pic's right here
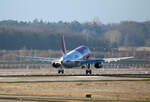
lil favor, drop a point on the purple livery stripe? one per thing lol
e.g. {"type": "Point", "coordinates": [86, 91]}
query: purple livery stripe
{"type": "Point", "coordinates": [81, 49]}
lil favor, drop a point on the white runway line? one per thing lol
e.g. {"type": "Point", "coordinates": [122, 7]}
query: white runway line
{"type": "Point", "coordinates": [86, 76]}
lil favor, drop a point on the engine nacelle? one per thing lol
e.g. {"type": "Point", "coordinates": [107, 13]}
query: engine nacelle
{"type": "Point", "coordinates": [56, 65]}
{"type": "Point", "coordinates": [98, 65]}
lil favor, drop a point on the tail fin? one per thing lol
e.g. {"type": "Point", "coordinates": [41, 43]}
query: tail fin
{"type": "Point", "coordinates": [63, 45]}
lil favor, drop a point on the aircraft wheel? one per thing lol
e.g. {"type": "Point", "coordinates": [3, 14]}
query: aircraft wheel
{"type": "Point", "coordinates": [61, 71]}
{"type": "Point", "coordinates": [58, 71]}
{"type": "Point", "coordinates": [88, 72]}
{"type": "Point", "coordinates": [83, 67]}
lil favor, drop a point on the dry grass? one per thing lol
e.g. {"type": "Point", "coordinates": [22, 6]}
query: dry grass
{"type": "Point", "coordinates": [109, 90]}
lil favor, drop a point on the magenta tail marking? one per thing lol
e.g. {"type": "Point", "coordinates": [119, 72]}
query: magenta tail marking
{"type": "Point", "coordinates": [63, 45]}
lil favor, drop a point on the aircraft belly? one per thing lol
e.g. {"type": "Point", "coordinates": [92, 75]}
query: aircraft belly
{"type": "Point", "coordinates": [71, 64]}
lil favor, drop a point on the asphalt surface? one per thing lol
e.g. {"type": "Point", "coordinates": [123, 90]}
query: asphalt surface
{"type": "Point", "coordinates": [15, 98]}
{"type": "Point", "coordinates": [75, 71]}
{"type": "Point", "coordinates": [30, 76]}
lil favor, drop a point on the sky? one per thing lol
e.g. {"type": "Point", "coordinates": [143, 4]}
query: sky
{"type": "Point", "coordinates": [106, 11]}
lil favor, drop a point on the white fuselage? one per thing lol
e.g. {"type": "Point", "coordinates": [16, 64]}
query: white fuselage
{"type": "Point", "coordinates": [70, 59]}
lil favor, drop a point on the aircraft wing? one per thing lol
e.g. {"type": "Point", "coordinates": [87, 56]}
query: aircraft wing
{"type": "Point", "coordinates": [107, 60]}
{"type": "Point", "coordinates": [37, 58]}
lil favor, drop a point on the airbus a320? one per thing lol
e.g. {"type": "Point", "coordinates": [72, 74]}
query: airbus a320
{"type": "Point", "coordinates": [78, 57]}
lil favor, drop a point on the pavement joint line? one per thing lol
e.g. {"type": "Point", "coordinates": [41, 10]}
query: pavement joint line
{"type": "Point", "coordinates": [49, 98]}
{"type": "Point", "coordinates": [72, 81]}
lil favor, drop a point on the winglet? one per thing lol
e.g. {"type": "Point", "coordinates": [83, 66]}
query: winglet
{"type": "Point", "coordinates": [63, 45]}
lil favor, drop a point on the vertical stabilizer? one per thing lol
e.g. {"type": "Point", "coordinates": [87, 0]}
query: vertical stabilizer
{"type": "Point", "coordinates": [63, 45]}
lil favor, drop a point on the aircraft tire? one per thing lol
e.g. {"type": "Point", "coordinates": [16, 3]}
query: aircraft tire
{"type": "Point", "coordinates": [88, 72]}
{"type": "Point", "coordinates": [61, 71]}
{"type": "Point", "coordinates": [58, 71]}
{"type": "Point", "coordinates": [83, 67]}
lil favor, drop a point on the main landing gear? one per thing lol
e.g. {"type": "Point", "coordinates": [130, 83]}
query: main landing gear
{"type": "Point", "coordinates": [61, 71]}
{"type": "Point", "coordinates": [88, 70]}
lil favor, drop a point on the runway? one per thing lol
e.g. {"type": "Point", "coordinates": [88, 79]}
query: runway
{"type": "Point", "coordinates": [74, 89]}
{"type": "Point", "coordinates": [76, 71]}
{"type": "Point", "coordinates": [72, 78]}
{"type": "Point", "coordinates": [14, 98]}
{"type": "Point", "coordinates": [103, 87]}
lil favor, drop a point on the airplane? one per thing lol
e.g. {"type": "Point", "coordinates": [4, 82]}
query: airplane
{"type": "Point", "coordinates": [78, 57]}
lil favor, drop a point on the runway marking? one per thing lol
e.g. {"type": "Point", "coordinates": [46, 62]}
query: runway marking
{"type": "Point", "coordinates": [87, 76]}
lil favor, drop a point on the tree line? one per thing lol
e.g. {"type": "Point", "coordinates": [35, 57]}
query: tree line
{"type": "Point", "coordinates": [42, 35]}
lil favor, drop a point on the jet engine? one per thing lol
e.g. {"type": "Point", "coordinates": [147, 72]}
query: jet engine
{"type": "Point", "coordinates": [98, 65]}
{"type": "Point", "coordinates": [56, 65]}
